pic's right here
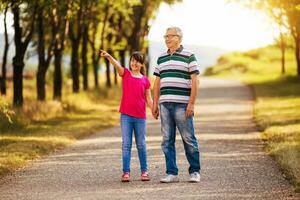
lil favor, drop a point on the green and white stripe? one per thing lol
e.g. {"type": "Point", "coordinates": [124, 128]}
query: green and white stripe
{"type": "Point", "coordinates": [175, 72]}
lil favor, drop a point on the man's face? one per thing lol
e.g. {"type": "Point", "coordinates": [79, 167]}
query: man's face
{"type": "Point", "coordinates": [172, 39]}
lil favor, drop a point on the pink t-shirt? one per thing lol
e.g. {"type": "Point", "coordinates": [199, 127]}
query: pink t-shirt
{"type": "Point", "coordinates": [133, 101]}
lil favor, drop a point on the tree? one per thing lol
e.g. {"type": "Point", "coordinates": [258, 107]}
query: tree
{"type": "Point", "coordinates": [23, 35]}
{"type": "Point", "coordinates": [75, 33]}
{"type": "Point", "coordinates": [44, 56]}
{"type": "Point", "coordinates": [284, 13]}
{"type": "Point", "coordinates": [85, 38]}
{"type": "Point", "coordinates": [4, 59]}
{"type": "Point", "coordinates": [59, 27]}
{"type": "Point", "coordinates": [294, 21]}
{"type": "Point", "coordinates": [98, 16]}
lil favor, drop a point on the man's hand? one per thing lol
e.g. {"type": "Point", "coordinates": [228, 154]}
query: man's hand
{"type": "Point", "coordinates": [189, 110]}
{"type": "Point", "coordinates": [155, 111]}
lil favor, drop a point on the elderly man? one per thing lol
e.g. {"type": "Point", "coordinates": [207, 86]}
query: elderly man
{"type": "Point", "coordinates": [175, 89]}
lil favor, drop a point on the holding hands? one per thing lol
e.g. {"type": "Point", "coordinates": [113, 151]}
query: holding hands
{"type": "Point", "coordinates": [155, 111]}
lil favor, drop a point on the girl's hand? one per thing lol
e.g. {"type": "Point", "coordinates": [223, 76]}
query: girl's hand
{"type": "Point", "coordinates": [104, 53]}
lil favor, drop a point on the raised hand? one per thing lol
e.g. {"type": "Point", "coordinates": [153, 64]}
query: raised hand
{"type": "Point", "coordinates": [104, 53]}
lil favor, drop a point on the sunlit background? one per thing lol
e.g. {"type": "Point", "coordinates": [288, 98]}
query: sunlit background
{"type": "Point", "coordinates": [214, 23]}
{"type": "Point", "coordinates": [211, 28]}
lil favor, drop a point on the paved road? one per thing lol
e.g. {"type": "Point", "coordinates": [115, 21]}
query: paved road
{"type": "Point", "coordinates": [234, 165]}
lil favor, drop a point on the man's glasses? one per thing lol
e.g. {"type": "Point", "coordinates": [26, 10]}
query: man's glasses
{"type": "Point", "coordinates": [170, 36]}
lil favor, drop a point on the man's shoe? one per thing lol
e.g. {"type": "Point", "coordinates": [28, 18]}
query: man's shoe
{"type": "Point", "coordinates": [195, 177]}
{"type": "Point", "coordinates": [170, 178]}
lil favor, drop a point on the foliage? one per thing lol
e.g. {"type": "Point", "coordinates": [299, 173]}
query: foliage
{"type": "Point", "coordinates": [277, 102]}
{"type": "Point", "coordinates": [5, 111]}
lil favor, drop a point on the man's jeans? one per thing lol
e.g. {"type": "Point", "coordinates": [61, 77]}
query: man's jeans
{"type": "Point", "coordinates": [172, 116]}
{"type": "Point", "coordinates": [138, 126]}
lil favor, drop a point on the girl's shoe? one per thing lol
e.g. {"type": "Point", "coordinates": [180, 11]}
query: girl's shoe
{"type": "Point", "coordinates": [125, 177]}
{"type": "Point", "coordinates": [145, 176]}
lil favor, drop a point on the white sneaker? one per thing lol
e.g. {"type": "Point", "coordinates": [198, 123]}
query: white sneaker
{"type": "Point", "coordinates": [195, 177]}
{"type": "Point", "coordinates": [170, 178]}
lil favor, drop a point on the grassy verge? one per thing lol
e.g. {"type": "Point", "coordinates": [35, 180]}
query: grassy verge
{"type": "Point", "coordinates": [277, 107]}
{"type": "Point", "coordinates": [42, 127]}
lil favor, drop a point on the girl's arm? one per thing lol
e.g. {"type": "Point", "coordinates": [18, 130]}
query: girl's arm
{"type": "Point", "coordinates": [156, 91]}
{"type": "Point", "coordinates": [149, 98]}
{"type": "Point", "coordinates": [113, 61]}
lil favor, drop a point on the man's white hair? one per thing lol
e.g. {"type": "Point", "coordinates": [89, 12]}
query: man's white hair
{"type": "Point", "coordinates": [177, 29]}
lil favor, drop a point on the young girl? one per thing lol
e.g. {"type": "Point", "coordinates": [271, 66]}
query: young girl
{"type": "Point", "coordinates": [135, 94]}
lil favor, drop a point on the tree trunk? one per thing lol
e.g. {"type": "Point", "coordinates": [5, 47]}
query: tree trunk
{"type": "Point", "coordinates": [59, 32]}
{"type": "Point", "coordinates": [57, 77]}
{"type": "Point", "coordinates": [296, 37]}
{"type": "Point", "coordinates": [84, 56]}
{"type": "Point", "coordinates": [41, 84]}
{"type": "Point", "coordinates": [147, 64]}
{"type": "Point", "coordinates": [94, 54]}
{"type": "Point", "coordinates": [115, 77]}
{"type": "Point", "coordinates": [95, 70]}
{"type": "Point", "coordinates": [282, 61]}
{"type": "Point", "coordinates": [134, 40]}
{"type": "Point", "coordinates": [75, 40]}
{"type": "Point", "coordinates": [41, 72]}
{"type": "Point", "coordinates": [122, 54]}
{"type": "Point", "coordinates": [297, 52]}
{"type": "Point", "coordinates": [18, 60]}
{"type": "Point", "coordinates": [18, 66]}
{"type": "Point", "coordinates": [75, 66]}
{"type": "Point", "coordinates": [108, 81]}
{"type": "Point", "coordinates": [4, 60]}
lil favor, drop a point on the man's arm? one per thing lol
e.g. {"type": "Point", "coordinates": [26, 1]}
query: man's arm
{"type": "Point", "coordinates": [193, 96]}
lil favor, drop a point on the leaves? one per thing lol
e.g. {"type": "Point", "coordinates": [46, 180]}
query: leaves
{"type": "Point", "coordinates": [4, 109]}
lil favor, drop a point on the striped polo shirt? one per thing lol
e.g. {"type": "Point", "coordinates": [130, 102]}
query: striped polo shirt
{"type": "Point", "coordinates": [175, 72]}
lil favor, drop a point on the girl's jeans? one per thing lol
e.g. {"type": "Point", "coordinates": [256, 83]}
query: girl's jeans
{"type": "Point", "coordinates": [173, 115]}
{"type": "Point", "coordinates": [138, 126]}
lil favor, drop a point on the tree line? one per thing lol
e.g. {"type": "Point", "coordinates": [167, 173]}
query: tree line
{"type": "Point", "coordinates": [78, 28]}
{"type": "Point", "coordinates": [286, 14]}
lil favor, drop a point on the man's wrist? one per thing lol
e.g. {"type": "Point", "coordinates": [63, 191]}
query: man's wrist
{"type": "Point", "coordinates": [191, 103]}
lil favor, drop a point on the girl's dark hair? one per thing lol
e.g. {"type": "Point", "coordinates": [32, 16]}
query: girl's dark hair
{"type": "Point", "coordinates": [139, 57]}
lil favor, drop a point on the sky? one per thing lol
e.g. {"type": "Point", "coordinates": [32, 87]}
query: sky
{"type": "Point", "coordinates": [214, 23]}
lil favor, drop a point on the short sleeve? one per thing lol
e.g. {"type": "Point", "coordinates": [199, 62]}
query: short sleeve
{"type": "Point", "coordinates": [147, 83]}
{"type": "Point", "coordinates": [156, 70]}
{"type": "Point", "coordinates": [193, 65]}
{"type": "Point", "coordinates": [126, 72]}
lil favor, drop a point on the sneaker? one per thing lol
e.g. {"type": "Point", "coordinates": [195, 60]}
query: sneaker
{"type": "Point", "coordinates": [195, 177]}
{"type": "Point", "coordinates": [145, 176]}
{"type": "Point", "coordinates": [170, 178]}
{"type": "Point", "coordinates": [125, 177]}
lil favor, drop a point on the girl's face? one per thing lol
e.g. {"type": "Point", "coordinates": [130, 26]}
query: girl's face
{"type": "Point", "coordinates": [135, 65]}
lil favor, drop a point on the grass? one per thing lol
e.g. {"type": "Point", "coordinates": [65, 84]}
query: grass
{"type": "Point", "coordinates": [43, 127]}
{"type": "Point", "coordinates": [277, 107]}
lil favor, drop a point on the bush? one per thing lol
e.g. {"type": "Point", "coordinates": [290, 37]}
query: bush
{"type": "Point", "coordinates": [5, 111]}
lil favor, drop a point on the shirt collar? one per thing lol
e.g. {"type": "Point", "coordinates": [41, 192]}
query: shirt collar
{"type": "Point", "coordinates": [177, 50]}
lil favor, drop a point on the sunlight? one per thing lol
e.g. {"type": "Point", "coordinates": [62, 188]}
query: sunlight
{"type": "Point", "coordinates": [214, 23]}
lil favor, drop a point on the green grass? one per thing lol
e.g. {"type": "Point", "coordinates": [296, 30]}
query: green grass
{"type": "Point", "coordinates": [277, 106]}
{"type": "Point", "coordinates": [43, 127]}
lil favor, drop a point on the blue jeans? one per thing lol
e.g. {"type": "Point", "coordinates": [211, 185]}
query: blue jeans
{"type": "Point", "coordinates": [172, 116]}
{"type": "Point", "coordinates": [138, 126]}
